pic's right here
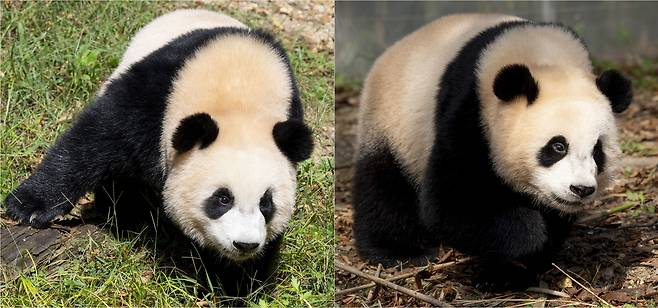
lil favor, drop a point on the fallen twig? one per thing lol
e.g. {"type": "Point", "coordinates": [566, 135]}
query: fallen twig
{"type": "Point", "coordinates": [524, 301]}
{"type": "Point", "coordinates": [581, 285]}
{"type": "Point", "coordinates": [605, 214]}
{"type": "Point", "coordinates": [650, 294]}
{"type": "Point", "coordinates": [401, 276]}
{"type": "Point", "coordinates": [445, 256]}
{"type": "Point", "coordinates": [620, 227]}
{"type": "Point", "coordinates": [622, 207]}
{"type": "Point", "coordinates": [388, 284]}
{"type": "Point", "coordinates": [372, 284]}
{"type": "Point", "coordinates": [548, 292]}
{"type": "Point", "coordinates": [373, 293]}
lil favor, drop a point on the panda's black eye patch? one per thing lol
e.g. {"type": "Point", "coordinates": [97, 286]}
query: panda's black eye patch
{"type": "Point", "coordinates": [554, 150]}
{"type": "Point", "coordinates": [599, 156]}
{"type": "Point", "coordinates": [267, 205]}
{"type": "Point", "coordinates": [219, 203]}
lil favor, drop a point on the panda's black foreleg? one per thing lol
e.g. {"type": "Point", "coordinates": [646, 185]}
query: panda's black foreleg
{"type": "Point", "coordinates": [75, 164]}
{"type": "Point", "coordinates": [558, 227]}
{"type": "Point", "coordinates": [515, 243]}
{"type": "Point", "coordinates": [506, 233]}
{"type": "Point", "coordinates": [386, 226]}
{"type": "Point", "coordinates": [501, 273]}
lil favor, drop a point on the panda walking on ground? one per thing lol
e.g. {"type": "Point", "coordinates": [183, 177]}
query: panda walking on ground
{"type": "Point", "coordinates": [204, 110]}
{"type": "Point", "coordinates": [484, 132]}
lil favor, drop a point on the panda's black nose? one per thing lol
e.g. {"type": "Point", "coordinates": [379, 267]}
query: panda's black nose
{"type": "Point", "coordinates": [582, 191]}
{"type": "Point", "coordinates": [245, 247]}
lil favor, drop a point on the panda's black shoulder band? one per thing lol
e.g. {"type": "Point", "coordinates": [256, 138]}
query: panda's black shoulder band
{"type": "Point", "coordinates": [198, 128]}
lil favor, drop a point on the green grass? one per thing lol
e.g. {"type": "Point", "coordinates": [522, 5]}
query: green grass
{"type": "Point", "coordinates": [53, 57]}
{"type": "Point", "coordinates": [347, 84]}
{"type": "Point", "coordinates": [638, 148]}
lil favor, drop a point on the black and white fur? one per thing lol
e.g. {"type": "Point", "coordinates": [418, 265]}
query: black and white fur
{"type": "Point", "coordinates": [202, 109]}
{"type": "Point", "coordinates": [484, 132]}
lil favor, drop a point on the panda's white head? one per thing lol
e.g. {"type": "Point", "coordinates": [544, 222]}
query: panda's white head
{"type": "Point", "coordinates": [234, 193]}
{"type": "Point", "coordinates": [229, 148]}
{"type": "Point", "coordinates": [553, 133]}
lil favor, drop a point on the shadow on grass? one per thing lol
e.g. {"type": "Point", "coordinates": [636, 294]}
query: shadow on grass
{"type": "Point", "coordinates": [129, 210]}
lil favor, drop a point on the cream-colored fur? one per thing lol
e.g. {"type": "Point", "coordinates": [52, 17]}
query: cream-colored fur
{"type": "Point", "coordinates": [399, 102]}
{"type": "Point", "coordinates": [399, 95]}
{"type": "Point", "coordinates": [165, 28]}
{"type": "Point", "coordinates": [556, 59]}
{"type": "Point", "coordinates": [569, 104]}
{"type": "Point", "coordinates": [244, 85]}
{"type": "Point", "coordinates": [240, 82]}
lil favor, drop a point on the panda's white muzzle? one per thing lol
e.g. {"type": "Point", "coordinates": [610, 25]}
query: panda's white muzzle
{"type": "Point", "coordinates": [240, 233]}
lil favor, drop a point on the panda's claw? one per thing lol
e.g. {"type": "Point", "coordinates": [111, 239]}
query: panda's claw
{"type": "Point", "coordinates": [15, 209]}
{"type": "Point", "coordinates": [29, 210]}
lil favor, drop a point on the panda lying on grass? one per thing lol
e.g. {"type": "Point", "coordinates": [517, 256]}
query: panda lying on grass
{"type": "Point", "coordinates": [208, 113]}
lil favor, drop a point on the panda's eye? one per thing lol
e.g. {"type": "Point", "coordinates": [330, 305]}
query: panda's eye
{"type": "Point", "coordinates": [223, 197]}
{"type": "Point", "coordinates": [553, 151]}
{"type": "Point", "coordinates": [224, 200]}
{"type": "Point", "coordinates": [559, 147]}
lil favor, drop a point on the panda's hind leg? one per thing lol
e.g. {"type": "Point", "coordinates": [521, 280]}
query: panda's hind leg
{"type": "Point", "coordinates": [386, 226]}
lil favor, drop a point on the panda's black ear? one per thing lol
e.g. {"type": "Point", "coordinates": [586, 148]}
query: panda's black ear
{"type": "Point", "coordinates": [198, 128]}
{"type": "Point", "coordinates": [294, 139]}
{"type": "Point", "coordinates": [515, 80]}
{"type": "Point", "coordinates": [616, 88]}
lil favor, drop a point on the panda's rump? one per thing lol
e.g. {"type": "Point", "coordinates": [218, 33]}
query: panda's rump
{"type": "Point", "coordinates": [164, 29]}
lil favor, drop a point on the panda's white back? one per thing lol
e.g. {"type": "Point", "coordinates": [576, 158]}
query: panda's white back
{"type": "Point", "coordinates": [165, 28]}
{"type": "Point", "coordinates": [399, 96]}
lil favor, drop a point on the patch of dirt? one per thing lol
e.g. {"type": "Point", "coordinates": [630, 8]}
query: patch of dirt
{"type": "Point", "coordinates": [312, 21]}
{"type": "Point", "coordinates": [639, 126]}
{"type": "Point", "coordinates": [611, 258]}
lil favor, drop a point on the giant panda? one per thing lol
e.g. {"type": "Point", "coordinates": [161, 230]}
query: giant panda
{"type": "Point", "coordinates": [484, 132]}
{"type": "Point", "coordinates": [206, 111]}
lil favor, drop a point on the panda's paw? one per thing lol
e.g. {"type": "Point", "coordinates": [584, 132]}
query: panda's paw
{"type": "Point", "coordinates": [422, 258]}
{"type": "Point", "coordinates": [504, 277]}
{"type": "Point", "coordinates": [390, 257]}
{"type": "Point", "coordinates": [30, 210]}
